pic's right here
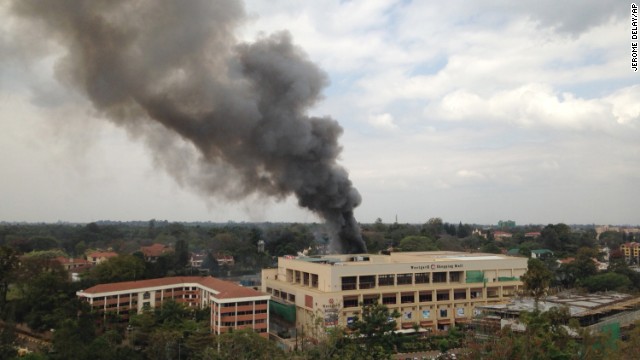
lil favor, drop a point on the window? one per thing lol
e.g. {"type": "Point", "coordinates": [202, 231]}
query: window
{"type": "Point", "coordinates": [492, 293]}
{"type": "Point", "coordinates": [404, 279]}
{"type": "Point", "coordinates": [350, 301]}
{"type": "Point", "coordinates": [422, 278]}
{"type": "Point", "coordinates": [146, 295]}
{"type": "Point", "coordinates": [476, 293]}
{"type": "Point", "coordinates": [508, 291]}
{"type": "Point", "coordinates": [442, 296]}
{"type": "Point", "coordinates": [367, 282]}
{"type": "Point", "coordinates": [459, 294]}
{"type": "Point", "coordinates": [407, 298]}
{"type": "Point", "coordinates": [455, 276]}
{"type": "Point", "coordinates": [314, 280]}
{"type": "Point", "coordinates": [388, 299]}
{"type": "Point", "coordinates": [439, 277]}
{"type": "Point", "coordinates": [443, 312]}
{"type": "Point", "coordinates": [370, 299]}
{"type": "Point", "coordinates": [425, 296]}
{"type": "Point", "coordinates": [349, 283]}
{"type": "Point", "coordinates": [386, 280]}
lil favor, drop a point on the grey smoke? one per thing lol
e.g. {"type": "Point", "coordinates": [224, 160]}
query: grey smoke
{"type": "Point", "coordinates": [165, 67]}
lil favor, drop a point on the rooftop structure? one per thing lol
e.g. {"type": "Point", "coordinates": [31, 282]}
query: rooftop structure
{"type": "Point", "coordinates": [591, 310]}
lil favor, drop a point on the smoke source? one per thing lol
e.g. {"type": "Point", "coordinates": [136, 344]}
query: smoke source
{"type": "Point", "coordinates": [161, 68]}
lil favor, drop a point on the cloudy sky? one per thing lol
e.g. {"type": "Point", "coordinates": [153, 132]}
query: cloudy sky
{"type": "Point", "coordinates": [469, 111]}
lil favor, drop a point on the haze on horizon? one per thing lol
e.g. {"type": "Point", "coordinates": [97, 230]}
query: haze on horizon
{"type": "Point", "coordinates": [472, 112]}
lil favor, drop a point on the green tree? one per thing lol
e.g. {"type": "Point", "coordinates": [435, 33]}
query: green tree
{"type": "Point", "coordinates": [8, 341]}
{"type": "Point", "coordinates": [8, 264]}
{"type": "Point", "coordinates": [171, 313]}
{"type": "Point", "coordinates": [537, 279]}
{"type": "Point", "coordinates": [181, 254]}
{"type": "Point", "coordinates": [433, 227]}
{"type": "Point", "coordinates": [119, 268]}
{"type": "Point", "coordinates": [376, 329]}
{"type": "Point", "coordinates": [417, 243]}
{"type": "Point", "coordinates": [606, 281]}
{"type": "Point", "coordinates": [244, 344]}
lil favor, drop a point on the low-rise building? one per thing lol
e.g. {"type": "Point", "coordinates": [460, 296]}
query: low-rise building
{"type": "Point", "coordinates": [432, 290]}
{"type": "Point", "coordinates": [74, 266]}
{"type": "Point", "coordinates": [593, 311]}
{"type": "Point", "coordinates": [152, 252]}
{"type": "Point", "coordinates": [232, 306]}
{"type": "Point", "coordinates": [97, 257]}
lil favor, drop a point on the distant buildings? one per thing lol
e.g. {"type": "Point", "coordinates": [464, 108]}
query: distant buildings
{"type": "Point", "coordinates": [232, 306]}
{"type": "Point", "coordinates": [502, 235]}
{"type": "Point", "coordinates": [97, 257]}
{"type": "Point", "coordinates": [152, 252]}
{"type": "Point", "coordinates": [508, 224]}
{"type": "Point", "coordinates": [631, 251]}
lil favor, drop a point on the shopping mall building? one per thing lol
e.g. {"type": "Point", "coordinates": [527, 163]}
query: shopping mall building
{"type": "Point", "coordinates": [431, 290]}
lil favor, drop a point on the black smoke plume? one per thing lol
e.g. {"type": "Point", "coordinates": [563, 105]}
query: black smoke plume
{"type": "Point", "coordinates": [242, 106]}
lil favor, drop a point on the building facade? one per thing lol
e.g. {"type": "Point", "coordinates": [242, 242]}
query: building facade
{"type": "Point", "coordinates": [431, 290]}
{"type": "Point", "coordinates": [232, 306]}
{"type": "Point", "coordinates": [631, 252]}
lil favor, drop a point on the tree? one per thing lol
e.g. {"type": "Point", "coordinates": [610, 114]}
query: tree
{"type": "Point", "coordinates": [606, 281]}
{"type": "Point", "coordinates": [244, 344]}
{"type": "Point", "coordinates": [376, 329]}
{"type": "Point", "coordinates": [463, 231]}
{"type": "Point", "coordinates": [537, 279]}
{"type": "Point", "coordinates": [181, 254]}
{"type": "Point", "coordinates": [417, 243]}
{"type": "Point", "coordinates": [433, 227]}
{"type": "Point", "coordinates": [8, 263]}
{"type": "Point", "coordinates": [119, 268]}
{"type": "Point", "coordinates": [171, 313]}
{"type": "Point", "coordinates": [7, 341]}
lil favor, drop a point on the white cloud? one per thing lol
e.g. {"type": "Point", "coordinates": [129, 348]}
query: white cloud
{"type": "Point", "coordinates": [383, 121]}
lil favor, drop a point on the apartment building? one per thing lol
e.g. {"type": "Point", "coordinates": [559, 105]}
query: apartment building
{"type": "Point", "coordinates": [232, 306]}
{"type": "Point", "coordinates": [631, 252]}
{"type": "Point", "coordinates": [431, 290]}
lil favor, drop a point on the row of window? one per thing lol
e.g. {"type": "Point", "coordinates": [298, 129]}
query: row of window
{"type": "Point", "coordinates": [244, 303]}
{"type": "Point", "coordinates": [370, 281]}
{"type": "Point", "coordinates": [246, 322]}
{"type": "Point", "coordinates": [422, 297]}
{"type": "Point", "coordinates": [303, 278]}
{"type": "Point", "coordinates": [239, 313]}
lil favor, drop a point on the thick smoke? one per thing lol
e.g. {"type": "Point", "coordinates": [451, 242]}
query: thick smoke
{"type": "Point", "coordinates": [243, 106]}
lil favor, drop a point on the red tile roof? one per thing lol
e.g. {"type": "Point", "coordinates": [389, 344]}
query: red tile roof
{"type": "Point", "coordinates": [64, 260]}
{"type": "Point", "coordinates": [225, 289]}
{"type": "Point", "coordinates": [154, 250]}
{"type": "Point", "coordinates": [102, 254]}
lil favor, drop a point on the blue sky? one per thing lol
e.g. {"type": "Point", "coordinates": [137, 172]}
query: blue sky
{"type": "Point", "coordinates": [470, 111]}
